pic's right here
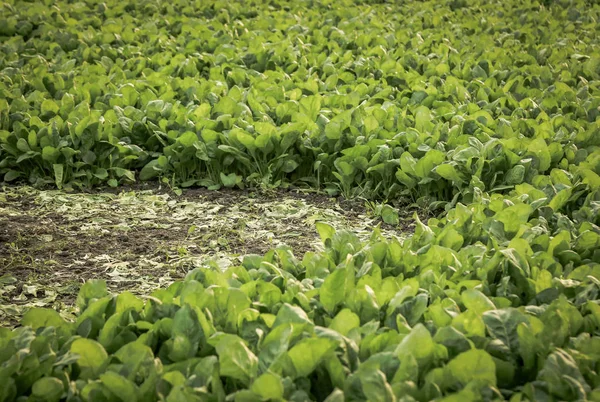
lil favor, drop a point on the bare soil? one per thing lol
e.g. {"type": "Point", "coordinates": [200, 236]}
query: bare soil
{"type": "Point", "coordinates": [143, 238]}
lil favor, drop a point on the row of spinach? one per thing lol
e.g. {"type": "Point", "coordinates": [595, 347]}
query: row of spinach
{"type": "Point", "coordinates": [496, 301]}
{"type": "Point", "coordinates": [378, 113]}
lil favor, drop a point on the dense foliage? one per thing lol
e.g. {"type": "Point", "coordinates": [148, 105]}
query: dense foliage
{"type": "Point", "coordinates": [489, 108]}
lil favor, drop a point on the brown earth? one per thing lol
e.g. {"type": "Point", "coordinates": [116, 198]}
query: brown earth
{"type": "Point", "coordinates": [143, 238]}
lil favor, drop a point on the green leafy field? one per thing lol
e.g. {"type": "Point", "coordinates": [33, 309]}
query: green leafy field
{"type": "Point", "coordinates": [487, 112]}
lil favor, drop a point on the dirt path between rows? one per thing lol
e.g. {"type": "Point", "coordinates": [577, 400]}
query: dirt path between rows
{"type": "Point", "coordinates": [143, 238]}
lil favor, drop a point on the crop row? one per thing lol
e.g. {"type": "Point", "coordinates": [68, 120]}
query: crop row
{"type": "Point", "coordinates": [430, 107]}
{"type": "Point", "coordinates": [498, 300]}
